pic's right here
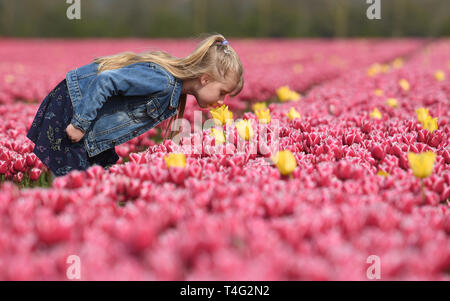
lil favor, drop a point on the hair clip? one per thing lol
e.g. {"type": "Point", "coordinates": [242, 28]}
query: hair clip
{"type": "Point", "coordinates": [224, 43]}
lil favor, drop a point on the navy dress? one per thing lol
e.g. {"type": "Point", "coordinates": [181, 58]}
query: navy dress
{"type": "Point", "coordinates": [52, 144]}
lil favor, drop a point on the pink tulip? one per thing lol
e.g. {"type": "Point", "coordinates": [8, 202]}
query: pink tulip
{"type": "Point", "coordinates": [95, 172]}
{"type": "Point", "coordinates": [52, 230]}
{"type": "Point", "coordinates": [133, 189]}
{"type": "Point", "coordinates": [35, 174]}
{"type": "Point", "coordinates": [378, 152]}
{"type": "Point", "coordinates": [3, 167]}
{"type": "Point", "coordinates": [18, 177]}
{"type": "Point", "coordinates": [20, 164]}
{"type": "Point", "coordinates": [178, 174]}
{"type": "Point", "coordinates": [30, 159]}
{"type": "Point", "coordinates": [228, 214]}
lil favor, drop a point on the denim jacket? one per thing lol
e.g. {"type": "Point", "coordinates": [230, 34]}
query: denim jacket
{"type": "Point", "coordinates": [118, 105]}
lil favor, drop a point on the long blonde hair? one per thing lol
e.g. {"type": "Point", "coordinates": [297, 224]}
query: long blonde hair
{"type": "Point", "coordinates": [215, 61]}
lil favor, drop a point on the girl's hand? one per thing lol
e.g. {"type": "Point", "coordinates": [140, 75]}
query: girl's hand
{"type": "Point", "coordinates": [74, 133]}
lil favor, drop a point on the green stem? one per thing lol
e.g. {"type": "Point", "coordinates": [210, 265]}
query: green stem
{"type": "Point", "coordinates": [422, 190]}
{"type": "Point", "coordinates": [26, 184]}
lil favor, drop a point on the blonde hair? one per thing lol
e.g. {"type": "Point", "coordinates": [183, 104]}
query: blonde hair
{"type": "Point", "coordinates": [210, 57]}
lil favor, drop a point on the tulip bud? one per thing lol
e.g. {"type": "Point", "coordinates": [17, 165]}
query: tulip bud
{"type": "Point", "coordinates": [378, 152]}
{"type": "Point", "coordinates": [404, 84]}
{"type": "Point", "coordinates": [366, 127]}
{"type": "Point", "coordinates": [446, 155]}
{"type": "Point", "coordinates": [175, 160]}
{"type": "Point", "coordinates": [422, 164]}
{"type": "Point", "coordinates": [20, 164]}
{"type": "Point", "coordinates": [439, 75]}
{"type": "Point", "coordinates": [30, 159]}
{"type": "Point", "coordinates": [285, 161]}
{"type": "Point", "coordinates": [3, 167]}
{"type": "Point", "coordinates": [18, 177]}
{"type": "Point", "coordinates": [35, 174]}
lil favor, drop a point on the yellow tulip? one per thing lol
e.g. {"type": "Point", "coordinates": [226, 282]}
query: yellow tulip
{"type": "Point", "coordinates": [218, 135]}
{"type": "Point", "coordinates": [392, 102]}
{"type": "Point", "coordinates": [295, 96]}
{"type": "Point", "coordinates": [285, 162]}
{"type": "Point", "coordinates": [263, 115]}
{"type": "Point", "coordinates": [9, 78]}
{"type": "Point", "coordinates": [422, 114]}
{"type": "Point", "coordinates": [244, 129]}
{"type": "Point", "coordinates": [378, 92]}
{"type": "Point", "coordinates": [382, 173]}
{"type": "Point", "coordinates": [259, 106]}
{"type": "Point", "coordinates": [385, 68]}
{"type": "Point", "coordinates": [430, 124]}
{"type": "Point", "coordinates": [422, 164]}
{"type": "Point", "coordinates": [375, 114]}
{"type": "Point", "coordinates": [374, 69]}
{"type": "Point", "coordinates": [439, 75]}
{"type": "Point", "coordinates": [404, 84]}
{"type": "Point", "coordinates": [397, 63]}
{"type": "Point", "coordinates": [283, 93]}
{"type": "Point", "coordinates": [286, 94]}
{"type": "Point", "coordinates": [221, 115]}
{"type": "Point", "coordinates": [175, 160]}
{"type": "Point", "coordinates": [293, 114]}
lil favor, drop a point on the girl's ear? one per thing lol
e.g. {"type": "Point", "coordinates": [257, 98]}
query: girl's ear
{"type": "Point", "coordinates": [205, 79]}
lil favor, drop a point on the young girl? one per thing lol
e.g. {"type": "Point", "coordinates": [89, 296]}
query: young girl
{"type": "Point", "coordinates": [116, 98]}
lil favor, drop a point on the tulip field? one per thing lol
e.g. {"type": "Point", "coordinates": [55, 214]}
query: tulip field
{"type": "Point", "coordinates": [361, 169]}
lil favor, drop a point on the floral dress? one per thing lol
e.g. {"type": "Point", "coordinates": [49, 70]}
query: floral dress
{"type": "Point", "coordinates": [52, 144]}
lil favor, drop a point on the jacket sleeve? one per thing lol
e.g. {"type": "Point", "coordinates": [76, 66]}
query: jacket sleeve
{"type": "Point", "coordinates": [132, 80]}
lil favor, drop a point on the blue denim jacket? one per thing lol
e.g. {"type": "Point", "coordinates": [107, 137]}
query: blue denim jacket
{"type": "Point", "coordinates": [118, 105]}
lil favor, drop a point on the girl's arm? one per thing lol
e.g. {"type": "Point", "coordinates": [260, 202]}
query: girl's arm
{"type": "Point", "coordinates": [132, 80]}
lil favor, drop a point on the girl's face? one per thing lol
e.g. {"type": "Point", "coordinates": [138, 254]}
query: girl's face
{"type": "Point", "coordinates": [212, 92]}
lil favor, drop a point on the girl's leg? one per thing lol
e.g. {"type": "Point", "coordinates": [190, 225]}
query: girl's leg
{"type": "Point", "coordinates": [105, 159]}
